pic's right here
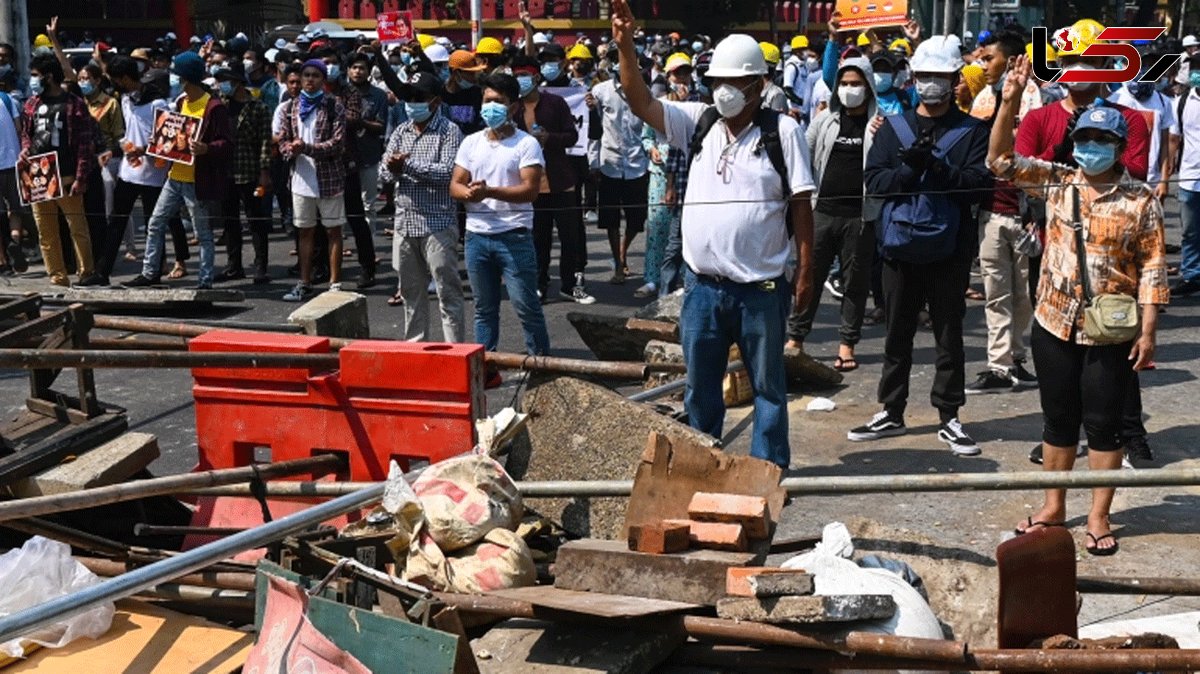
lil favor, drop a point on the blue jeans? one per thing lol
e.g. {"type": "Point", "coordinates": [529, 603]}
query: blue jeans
{"type": "Point", "coordinates": [512, 255]}
{"type": "Point", "coordinates": [174, 195]}
{"type": "Point", "coordinates": [717, 314]}
{"type": "Point", "coordinates": [672, 264]}
{"type": "Point", "coordinates": [1189, 214]}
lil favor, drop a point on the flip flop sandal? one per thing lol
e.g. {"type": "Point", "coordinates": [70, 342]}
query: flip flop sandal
{"type": "Point", "coordinates": [973, 294]}
{"type": "Point", "coordinates": [1030, 523]}
{"type": "Point", "coordinates": [1098, 551]}
{"type": "Point", "coordinates": [395, 300]}
{"type": "Point", "coordinates": [845, 364]}
{"type": "Point", "coordinates": [178, 272]}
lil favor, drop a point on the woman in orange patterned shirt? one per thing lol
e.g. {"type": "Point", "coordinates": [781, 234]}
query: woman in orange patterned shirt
{"type": "Point", "coordinates": [1083, 381]}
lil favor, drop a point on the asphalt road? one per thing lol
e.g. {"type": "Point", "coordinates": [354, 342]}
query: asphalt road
{"type": "Point", "coordinates": [1156, 527]}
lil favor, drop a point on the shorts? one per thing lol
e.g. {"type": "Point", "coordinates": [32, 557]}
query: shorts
{"type": "Point", "coordinates": [305, 209]}
{"type": "Point", "coordinates": [633, 196]}
{"type": "Point", "coordinates": [9, 197]}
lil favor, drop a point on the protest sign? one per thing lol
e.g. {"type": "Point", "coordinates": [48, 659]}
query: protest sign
{"type": "Point", "coordinates": [394, 27]}
{"type": "Point", "coordinates": [172, 131]}
{"type": "Point", "coordinates": [864, 14]}
{"type": "Point", "coordinates": [576, 99]}
{"type": "Point", "coordinates": [40, 179]}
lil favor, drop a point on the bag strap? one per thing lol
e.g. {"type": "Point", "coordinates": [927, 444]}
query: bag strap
{"type": "Point", "coordinates": [904, 131]}
{"type": "Point", "coordinates": [952, 138]}
{"type": "Point", "coordinates": [707, 119]}
{"type": "Point", "coordinates": [770, 141]}
{"type": "Point", "coordinates": [1080, 254]}
{"type": "Point", "coordinates": [1183, 99]}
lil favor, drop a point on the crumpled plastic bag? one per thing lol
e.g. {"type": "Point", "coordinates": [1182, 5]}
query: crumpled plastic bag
{"type": "Point", "coordinates": [399, 513]}
{"type": "Point", "coordinates": [501, 560]}
{"type": "Point", "coordinates": [820, 405]}
{"type": "Point", "coordinates": [835, 573]}
{"type": "Point", "coordinates": [42, 570]}
{"type": "Point", "coordinates": [466, 497]}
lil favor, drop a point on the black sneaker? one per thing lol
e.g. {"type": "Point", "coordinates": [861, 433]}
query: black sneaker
{"type": "Point", "coordinates": [232, 274]}
{"type": "Point", "coordinates": [1138, 453]}
{"type": "Point", "coordinates": [16, 257]}
{"type": "Point", "coordinates": [835, 287]}
{"type": "Point", "coordinates": [1035, 454]}
{"type": "Point", "coordinates": [366, 279]}
{"type": "Point", "coordinates": [882, 425]}
{"type": "Point", "coordinates": [140, 281]}
{"type": "Point", "coordinates": [952, 433]}
{"type": "Point", "coordinates": [92, 281]}
{"type": "Point", "coordinates": [1022, 377]}
{"type": "Point", "coordinates": [1182, 288]}
{"type": "Point", "coordinates": [990, 381]}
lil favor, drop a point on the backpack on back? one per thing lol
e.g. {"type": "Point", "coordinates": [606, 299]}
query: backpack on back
{"type": "Point", "coordinates": [921, 227]}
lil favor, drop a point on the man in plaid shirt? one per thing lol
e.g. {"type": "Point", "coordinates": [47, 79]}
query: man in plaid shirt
{"type": "Point", "coordinates": [314, 139]}
{"type": "Point", "coordinates": [251, 174]}
{"type": "Point", "coordinates": [419, 160]}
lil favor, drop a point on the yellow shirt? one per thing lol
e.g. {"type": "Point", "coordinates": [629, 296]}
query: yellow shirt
{"type": "Point", "coordinates": [186, 173]}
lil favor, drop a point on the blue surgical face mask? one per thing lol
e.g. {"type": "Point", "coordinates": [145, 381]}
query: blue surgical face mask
{"type": "Point", "coordinates": [551, 70]}
{"type": "Point", "coordinates": [464, 83]}
{"type": "Point", "coordinates": [1095, 157]}
{"type": "Point", "coordinates": [697, 47]}
{"type": "Point", "coordinates": [226, 88]}
{"type": "Point", "coordinates": [443, 73]}
{"type": "Point", "coordinates": [313, 95]}
{"type": "Point", "coordinates": [35, 86]}
{"type": "Point", "coordinates": [335, 71]}
{"type": "Point", "coordinates": [418, 112]}
{"type": "Point", "coordinates": [1162, 84]}
{"type": "Point", "coordinates": [526, 84]}
{"type": "Point", "coordinates": [214, 68]}
{"type": "Point", "coordinates": [703, 90]}
{"type": "Point", "coordinates": [883, 82]}
{"type": "Point", "coordinates": [494, 114]}
{"type": "Point", "coordinates": [176, 85]}
{"type": "Point", "coordinates": [87, 88]}
{"type": "Point", "coordinates": [405, 57]}
{"type": "Point", "coordinates": [5, 70]}
{"type": "Point", "coordinates": [1194, 79]}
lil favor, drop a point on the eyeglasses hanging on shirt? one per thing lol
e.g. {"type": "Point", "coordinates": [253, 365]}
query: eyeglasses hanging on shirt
{"type": "Point", "coordinates": [725, 161]}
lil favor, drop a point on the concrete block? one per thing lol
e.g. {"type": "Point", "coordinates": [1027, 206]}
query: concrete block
{"type": "Point", "coordinates": [748, 511]}
{"type": "Point", "coordinates": [334, 314]}
{"type": "Point", "coordinates": [713, 535]}
{"type": "Point", "coordinates": [578, 430]}
{"type": "Point", "coordinates": [657, 539]}
{"type": "Point", "coordinates": [153, 296]}
{"type": "Point", "coordinates": [665, 308]}
{"type": "Point", "coordinates": [767, 581]}
{"type": "Point", "coordinates": [695, 577]}
{"type": "Point", "coordinates": [521, 646]}
{"type": "Point", "coordinates": [808, 609]}
{"type": "Point", "coordinates": [658, 351]}
{"type": "Point", "coordinates": [113, 462]}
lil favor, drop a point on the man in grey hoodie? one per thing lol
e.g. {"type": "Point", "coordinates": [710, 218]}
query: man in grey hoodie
{"type": "Point", "coordinates": [838, 140]}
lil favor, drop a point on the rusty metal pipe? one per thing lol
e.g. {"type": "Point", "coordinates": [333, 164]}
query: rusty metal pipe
{"type": "Point", "coordinates": [222, 580]}
{"type": "Point", "coordinates": [96, 359]}
{"type": "Point", "coordinates": [111, 343]}
{"type": "Point", "coordinates": [1176, 587]}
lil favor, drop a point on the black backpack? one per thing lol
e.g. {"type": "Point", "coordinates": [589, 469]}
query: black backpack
{"type": "Point", "coordinates": [769, 141]}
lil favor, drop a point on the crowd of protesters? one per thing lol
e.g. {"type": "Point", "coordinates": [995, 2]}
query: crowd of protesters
{"type": "Point", "coordinates": [880, 166]}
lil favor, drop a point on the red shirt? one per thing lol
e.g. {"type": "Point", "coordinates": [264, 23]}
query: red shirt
{"type": "Point", "coordinates": [1046, 127]}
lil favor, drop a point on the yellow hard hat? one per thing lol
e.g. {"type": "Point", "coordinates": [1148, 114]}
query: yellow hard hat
{"type": "Point", "coordinates": [901, 44]}
{"type": "Point", "coordinates": [770, 52]}
{"type": "Point", "coordinates": [1084, 32]}
{"type": "Point", "coordinates": [676, 60]}
{"type": "Point", "coordinates": [426, 41]}
{"type": "Point", "coordinates": [863, 40]}
{"type": "Point", "coordinates": [579, 51]}
{"type": "Point", "coordinates": [41, 41]}
{"type": "Point", "coordinates": [489, 45]}
{"type": "Point", "coordinates": [1051, 55]}
{"type": "Point", "coordinates": [800, 42]}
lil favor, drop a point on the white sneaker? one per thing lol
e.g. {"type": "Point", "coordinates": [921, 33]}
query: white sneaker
{"type": "Point", "coordinates": [591, 217]}
{"type": "Point", "coordinates": [960, 443]}
{"type": "Point", "coordinates": [647, 290]}
{"type": "Point", "coordinates": [335, 287]}
{"type": "Point", "coordinates": [298, 294]}
{"type": "Point", "coordinates": [577, 295]}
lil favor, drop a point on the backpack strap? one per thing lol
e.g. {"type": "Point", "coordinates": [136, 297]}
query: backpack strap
{"type": "Point", "coordinates": [952, 137]}
{"type": "Point", "coordinates": [1183, 99]}
{"type": "Point", "coordinates": [904, 130]}
{"type": "Point", "coordinates": [707, 119]}
{"type": "Point", "coordinates": [769, 140]}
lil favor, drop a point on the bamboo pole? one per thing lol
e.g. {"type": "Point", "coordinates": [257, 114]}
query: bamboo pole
{"type": "Point", "coordinates": [173, 484]}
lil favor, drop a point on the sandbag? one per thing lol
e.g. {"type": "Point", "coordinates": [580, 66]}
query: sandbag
{"type": "Point", "coordinates": [466, 497]}
{"type": "Point", "coordinates": [501, 560]}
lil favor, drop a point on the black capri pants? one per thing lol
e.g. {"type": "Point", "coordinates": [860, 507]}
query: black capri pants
{"type": "Point", "coordinates": [1081, 385]}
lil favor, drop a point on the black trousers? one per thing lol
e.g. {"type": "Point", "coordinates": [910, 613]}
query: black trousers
{"type": "Point", "coordinates": [853, 241]}
{"type": "Point", "coordinates": [125, 195]}
{"type": "Point", "coordinates": [281, 186]}
{"type": "Point", "coordinates": [1081, 385]}
{"type": "Point", "coordinates": [558, 209]}
{"type": "Point", "coordinates": [356, 217]}
{"type": "Point", "coordinates": [907, 288]}
{"type": "Point", "coordinates": [258, 218]}
{"type": "Point", "coordinates": [585, 183]}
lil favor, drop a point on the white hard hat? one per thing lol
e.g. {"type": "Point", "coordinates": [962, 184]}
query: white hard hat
{"type": "Point", "coordinates": [737, 56]}
{"type": "Point", "coordinates": [437, 53]}
{"type": "Point", "coordinates": [444, 41]}
{"type": "Point", "coordinates": [1191, 41]}
{"type": "Point", "coordinates": [281, 43]}
{"type": "Point", "coordinates": [270, 55]}
{"type": "Point", "coordinates": [936, 55]}
{"type": "Point", "coordinates": [540, 38]}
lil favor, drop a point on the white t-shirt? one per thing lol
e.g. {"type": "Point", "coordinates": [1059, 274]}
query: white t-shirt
{"type": "Point", "coordinates": [10, 143]}
{"type": "Point", "coordinates": [304, 176]}
{"type": "Point", "coordinates": [1189, 127]}
{"type": "Point", "coordinates": [278, 118]}
{"type": "Point", "coordinates": [498, 163]}
{"type": "Point", "coordinates": [139, 120]}
{"type": "Point", "coordinates": [1163, 111]}
{"type": "Point", "coordinates": [733, 220]}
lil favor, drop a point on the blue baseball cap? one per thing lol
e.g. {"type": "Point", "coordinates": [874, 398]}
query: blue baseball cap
{"type": "Point", "coordinates": [189, 66]}
{"type": "Point", "coordinates": [1102, 118]}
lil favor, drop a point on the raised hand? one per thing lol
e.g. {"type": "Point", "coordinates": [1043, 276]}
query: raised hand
{"type": "Point", "coordinates": [912, 31]}
{"type": "Point", "coordinates": [523, 13]}
{"type": "Point", "coordinates": [1018, 77]}
{"type": "Point", "coordinates": [835, 22]}
{"type": "Point", "coordinates": [622, 22]}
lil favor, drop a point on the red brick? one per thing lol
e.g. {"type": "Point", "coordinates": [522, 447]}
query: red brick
{"type": "Point", "coordinates": [748, 511]}
{"type": "Point", "coordinates": [737, 580]}
{"type": "Point", "coordinates": [714, 535]}
{"type": "Point", "coordinates": [659, 538]}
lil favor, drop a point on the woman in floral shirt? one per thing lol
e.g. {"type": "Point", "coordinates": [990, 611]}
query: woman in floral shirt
{"type": "Point", "coordinates": [1083, 382]}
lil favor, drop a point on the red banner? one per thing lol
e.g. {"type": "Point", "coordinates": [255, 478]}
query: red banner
{"type": "Point", "coordinates": [394, 27]}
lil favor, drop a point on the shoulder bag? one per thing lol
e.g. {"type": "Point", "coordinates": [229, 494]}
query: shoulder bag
{"type": "Point", "coordinates": [1108, 318]}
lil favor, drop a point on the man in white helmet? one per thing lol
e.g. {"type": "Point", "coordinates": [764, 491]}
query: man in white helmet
{"type": "Point", "coordinates": [928, 167]}
{"type": "Point", "coordinates": [735, 226]}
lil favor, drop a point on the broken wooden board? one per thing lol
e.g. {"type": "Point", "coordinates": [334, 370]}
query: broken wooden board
{"type": "Point", "coordinates": [578, 430]}
{"type": "Point", "coordinates": [808, 609]}
{"type": "Point", "coordinates": [146, 638]}
{"type": "Point", "coordinates": [521, 646]}
{"type": "Point", "coordinates": [619, 337]}
{"type": "Point", "coordinates": [672, 470]}
{"type": "Point", "coordinates": [112, 462]}
{"type": "Point", "coordinates": [599, 604]}
{"type": "Point", "coordinates": [70, 440]}
{"type": "Point", "coordinates": [144, 297]}
{"type": "Point", "coordinates": [696, 576]}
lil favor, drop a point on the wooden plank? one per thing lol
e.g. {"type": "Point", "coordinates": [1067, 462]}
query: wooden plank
{"type": "Point", "coordinates": [35, 328]}
{"type": "Point", "coordinates": [58, 409]}
{"type": "Point", "coordinates": [27, 306]}
{"type": "Point", "coordinates": [696, 577]}
{"type": "Point", "coordinates": [146, 638]}
{"type": "Point", "coordinates": [597, 604]}
{"type": "Point", "coordinates": [448, 620]}
{"type": "Point", "coordinates": [73, 440]}
{"type": "Point", "coordinates": [153, 296]}
{"type": "Point", "coordinates": [112, 462]}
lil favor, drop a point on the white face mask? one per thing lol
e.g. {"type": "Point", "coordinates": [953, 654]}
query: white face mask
{"type": "Point", "coordinates": [730, 100]}
{"type": "Point", "coordinates": [852, 96]}
{"type": "Point", "coordinates": [1080, 86]}
{"type": "Point", "coordinates": [933, 90]}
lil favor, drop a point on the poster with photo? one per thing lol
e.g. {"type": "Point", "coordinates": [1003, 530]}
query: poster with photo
{"type": "Point", "coordinates": [170, 136]}
{"type": "Point", "coordinates": [864, 14]}
{"type": "Point", "coordinates": [39, 179]}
